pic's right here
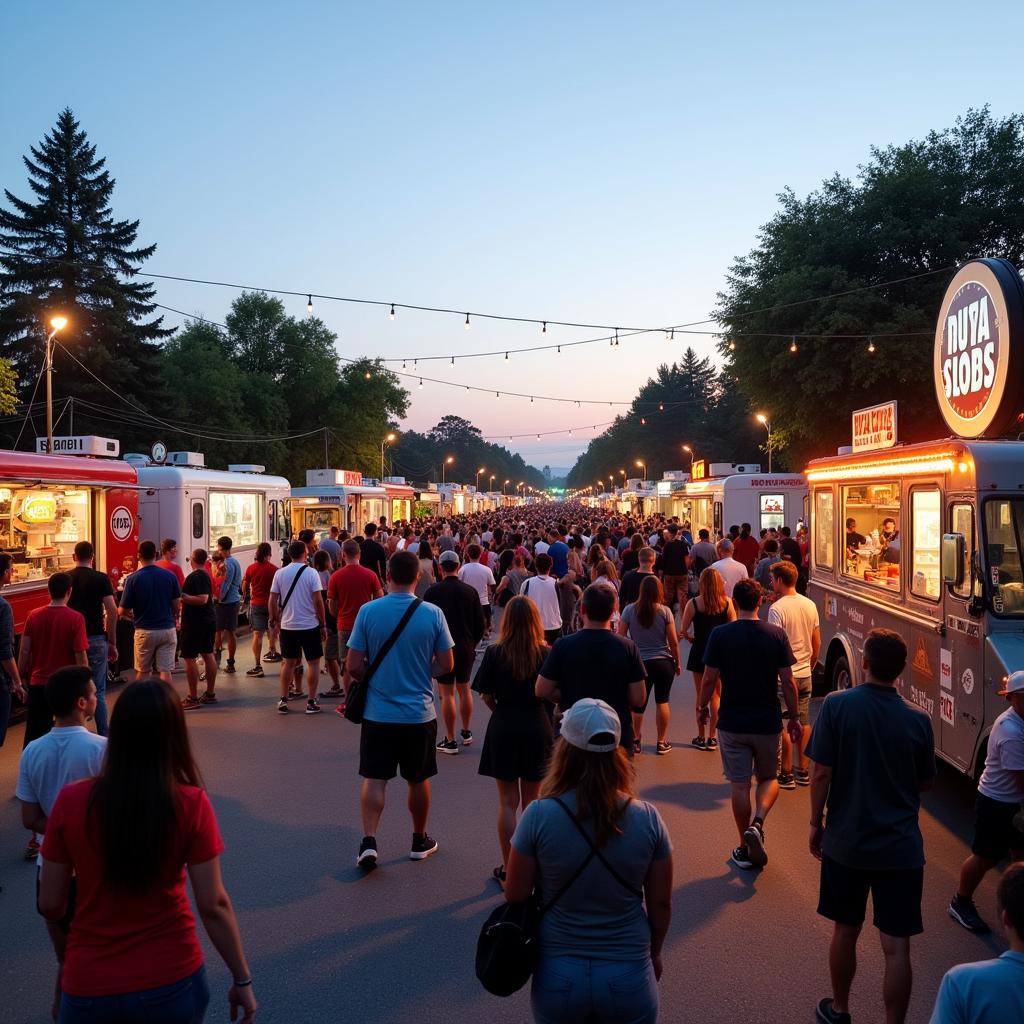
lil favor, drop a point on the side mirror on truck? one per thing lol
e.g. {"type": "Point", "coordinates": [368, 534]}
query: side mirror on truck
{"type": "Point", "coordinates": [952, 559]}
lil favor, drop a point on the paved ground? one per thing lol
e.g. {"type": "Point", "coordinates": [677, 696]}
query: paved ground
{"type": "Point", "coordinates": [327, 944]}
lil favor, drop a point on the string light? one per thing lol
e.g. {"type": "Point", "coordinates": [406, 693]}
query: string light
{"type": "Point", "coordinates": [421, 383]}
{"type": "Point", "coordinates": [309, 305]}
{"type": "Point", "coordinates": [544, 327]}
{"type": "Point", "coordinates": [497, 396]}
{"type": "Point", "coordinates": [466, 324]}
{"type": "Point", "coordinates": [453, 360]}
{"type": "Point", "coordinates": [403, 364]}
{"type": "Point", "coordinates": [559, 352]}
{"type": "Point", "coordinates": [732, 345]}
{"type": "Point", "coordinates": [871, 344]}
{"type": "Point", "coordinates": [792, 345]}
{"type": "Point", "coordinates": [391, 315]}
{"type": "Point", "coordinates": [368, 375]}
{"type": "Point", "coordinates": [661, 407]}
{"type": "Point", "coordinates": [506, 357]}
{"type": "Point", "coordinates": [643, 422]}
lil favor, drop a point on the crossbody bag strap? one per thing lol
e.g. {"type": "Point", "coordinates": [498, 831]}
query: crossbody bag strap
{"type": "Point", "coordinates": [595, 852]}
{"type": "Point", "coordinates": [391, 640]}
{"type": "Point", "coordinates": [295, 579]}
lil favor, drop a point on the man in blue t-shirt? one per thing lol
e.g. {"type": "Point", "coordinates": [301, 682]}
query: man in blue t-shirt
{"type": "Point", "coordinates": [228, 600]}
{"type": "Point", "coordinates": [151, 599]}
{"type": "Point", "coordinates": [559, 552]}
{"type": "Point", "coordinates": [399, 730]}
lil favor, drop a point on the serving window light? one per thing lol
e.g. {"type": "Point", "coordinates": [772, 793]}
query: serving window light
{"type": "Point", "coordinates": [920, 466]}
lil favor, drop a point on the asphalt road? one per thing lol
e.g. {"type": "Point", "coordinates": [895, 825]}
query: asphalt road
{"type": "Point", "coordinates": [326, 943]}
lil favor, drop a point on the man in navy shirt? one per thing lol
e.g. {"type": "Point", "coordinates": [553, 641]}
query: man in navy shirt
{"type": "Point", "coordinates": [559, 552]}
{"type": "Point", "coordinates": [151, 599]}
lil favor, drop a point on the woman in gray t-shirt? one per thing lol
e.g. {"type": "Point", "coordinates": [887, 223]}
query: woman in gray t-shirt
{"type": "Point", "coordinates": [600, 952]}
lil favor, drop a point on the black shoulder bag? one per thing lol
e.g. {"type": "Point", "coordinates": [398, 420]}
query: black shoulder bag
{"type": "Point", "coordinates": [295, 579]}
{"type": "Point", "coordinates": [355, 700]}
{"type": "Point", "coordinates": [509, 943]}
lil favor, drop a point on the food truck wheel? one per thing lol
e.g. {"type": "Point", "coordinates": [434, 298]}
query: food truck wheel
{"type": "Point", "coordinates": [842, 677]}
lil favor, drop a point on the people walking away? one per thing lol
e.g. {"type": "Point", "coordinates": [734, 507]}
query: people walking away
{"type": "Point", "coordinates": [332, 546]}
{"type": "Point", "coordinates": [68, 752]}
{"type": "Point", "coordinates": [607, 857]}
{"type": "Point", "coordinates": [198, 632]}
{"type": "Point", "coordinates": [543, 592]}
{"type": "Point", "coordinates": [463, 613]}
{"type": "Point", "coordinates": [126, 838]}
{"type": "Point", "coordinates": [372, 555]}
{"type": "Point", "coordinates": [297, 609]}
{"type": "Point", "coordinates": [228, 600]}
{"type": "Point", "coordinates": [728, 568]}
{"type": "Point", "coordinates": [517, 744]}
{"type": "Point", "coordinates": [762, 572]}
{"type": "Point", "coordinates": [481, 579]}
{"type": "Point", "coordinates": [322, 565]}
{"type": "Point", "coordinates": [1000, 795]}
{"type": "Point", "coordinates": [703, 613]}
{"type": "Point", "coordinates": [750, 657]}
{"type": "Point", "coordinates": [797, 616]}
{"type": "Point", "coordinates": [992, 991]}
{"type": "Point", "coordinates": [873, 753]}
{"type": "Point", "coordinates": [93, 597]}
{"type": "Point", "coordinates": [629, 589]}
{"type": "Point", "coordinates": [256, 583]}
{"type": "Point", "coordinates": [672, 564]}
{"type": "Point", "coordinates": [788, 547]}
{"type": "Point", "coordinates": [702, 554]}
{"type": "Point", "coordinates": [349, 588]}
{"type": "Point", "coordinates": [650, 624]}
{"type": "Point", "coordinates": [399, 728]}
{"type": "Point", "coordinates": [746, 549]}
{"type": "Point", "coordinates": [429, 573]}
{"type": "Point", "coordinates": [151, 599]}
{"type": "Point", "coordinates": [511, 582]}
{"type": "Point", "coordinates": [596, 662]}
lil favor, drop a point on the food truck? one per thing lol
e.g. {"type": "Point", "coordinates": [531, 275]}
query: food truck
{"type": "Point", "coordinates": [180, 498]}
{"type": "Point", "coordinates": [927, 539]}
{"type": "Point", "coordinates": [48, 503]}
{"type": "Point", "coordinates": [723, 494]}
{"type": "Point", "coordinates": [340, 497]}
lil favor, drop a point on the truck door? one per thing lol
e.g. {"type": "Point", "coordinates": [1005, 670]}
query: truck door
{"type": "Point", "coordinates": [197, 522]}
{"type": "Point", "coordinates": [149, 517]}
{"type": "Point", "coordinates": [961, 696]}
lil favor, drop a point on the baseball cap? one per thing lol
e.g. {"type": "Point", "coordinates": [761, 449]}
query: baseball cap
{"type": "Point", "coordinates": [589, 719]}
{"type": "Point", "coordinates": [1014, 684]}
{"type": "Point", "coordinates": [448, 558]}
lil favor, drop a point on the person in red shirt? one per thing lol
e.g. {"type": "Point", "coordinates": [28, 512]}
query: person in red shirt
{"type": "Point", "coordinates": [54, 636]}
{"type": "Point", "coordinates": [348, 589]}
{"type": "Point", "coordinates": [128, 836]}
{"type": "Point", "coordinates": [746, 549]}
{"type": "Point", "coordinates": [256, 592]}
{"type": "Point", "coordinates": [169, 560]}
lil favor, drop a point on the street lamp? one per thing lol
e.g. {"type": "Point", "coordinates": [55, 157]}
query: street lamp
{"type": "Point", "coordinates": [689, 451]}
{"type": "Point", "coordinates": [623, 472]}
{"type": "Point", "coordinates": [58, 323]}
{"type": "Point", "coordinates": [763, 420]}
{"type": "Point", "coordinates": [642, 465]}
{"type": "Point", "coordinates": [482, 469]}
{"type": "Point", "coordinates": [504, 485]}
{"type": "Point", "coordinates": [447, 462]}
{"type": "Point", "coordinates": [490, 483]}
{"type": "Point", "coordinates": [387, 440]}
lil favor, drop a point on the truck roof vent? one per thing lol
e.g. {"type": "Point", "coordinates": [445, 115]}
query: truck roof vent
{"type": "Point", "coordinates": [246, 467]}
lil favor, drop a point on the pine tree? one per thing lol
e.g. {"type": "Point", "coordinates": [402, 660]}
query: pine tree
{"type": "Point", "coordinates": [70, 256]}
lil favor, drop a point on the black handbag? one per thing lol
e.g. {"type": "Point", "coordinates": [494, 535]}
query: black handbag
{"type": "Point", "coordinates": [509, 943]}
{"type": "Point", "coordinates": [355, 699]}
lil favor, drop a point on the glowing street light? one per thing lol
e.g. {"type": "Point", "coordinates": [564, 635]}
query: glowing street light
{"type": "Point", "coordinates": [58, 323]}
{"type": "Point", "coordinates": [642, 465]}
{"type": "Point", "coordinates": [482, 469]}
{"type": "Point", "coordinates": [390, 439]}
{"type": "Point", "coordinates": [447, 462]}
{"type": "Point", "coordinates": [693, 455]}
{"type": "Point", "coordinates": [763, 420]}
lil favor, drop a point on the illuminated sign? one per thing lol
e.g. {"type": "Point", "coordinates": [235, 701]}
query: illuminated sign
{"type": "Point", "coordinates": [978, 342]}
{"type": "Point", "coordinates": [350, 478]}
{"type": "Point", "coordinates": [39, 508]}
{"type": "Point", "coordinates": [698, 471]}
{"type": "Point", "coordinates": [875, 427]}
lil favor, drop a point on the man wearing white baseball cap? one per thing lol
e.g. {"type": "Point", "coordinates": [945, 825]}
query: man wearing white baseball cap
{"type": "Point", "coordinates": [1000, 793]}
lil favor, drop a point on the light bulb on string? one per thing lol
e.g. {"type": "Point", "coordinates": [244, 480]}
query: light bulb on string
{"type": "Point", "coordinates": [403, 364]}
{"type": "Point", "coordinates": [466, 324]}
{"type": "Point", "coordinates": [391, 315]}
{"type": "Point", "coordinates": [421, 383]}
{"type": "Point", "coordinates": [531, 399]}
{"type": "Point", "coordinates": [732, 345]}
{"type": "Point", "coordinates": [309, 305]}
{"type": "Point", "coordinates": [506, 357]}
{"type": "Point", "coordinates": [643, 422]}
{"type": "Point", "coordinates": [538, 437]}
{"type": "Point", "coordinates": [544, 328]}
{"type": "Point", "coordinates": [616, 337]}
{"type": "Point", "coordinates": [661, 407]}
{"type": "Point", "coordinates": [368, 375]}
{"type": "Point", "coordinates": [871, 344]}
{"type": "Point", "coordinates": [559, 352]}
{"type": "Point", "coordinates": [497, 396]}
{"type": "Point", "coordinates": [453, 360]}
{"type": "Point", "coordinates": [570, 431]}
{"type": "Point", "coordinates": [792, 345]}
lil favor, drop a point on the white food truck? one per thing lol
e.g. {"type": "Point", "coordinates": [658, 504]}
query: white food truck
{"type": "Point", "coordinates": [340, 497]}
{"type": "Point", "coordinates": [928, 539]}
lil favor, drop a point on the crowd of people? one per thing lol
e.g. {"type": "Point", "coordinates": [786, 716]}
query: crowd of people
{"type": "Point", "coordinates": [565, 622]}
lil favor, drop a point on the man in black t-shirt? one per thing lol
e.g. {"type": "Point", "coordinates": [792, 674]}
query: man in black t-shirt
{"type": "Point", "coordinates": [198, 632]}
{"type": "Point", "coordinates": [750, 658]}
{"type": "Point", "coordinates": [93, 596]}
{"type": "Point", "coordinates": [595, 662]}
{"type": "Point", "coordinates": [789, 547]}
{"type": "Point", "coordinates": [672, 566]}
{"type": "Point", "coordinates": [629, 591]}
{"type": "Point", "coordinates": [372, 554]}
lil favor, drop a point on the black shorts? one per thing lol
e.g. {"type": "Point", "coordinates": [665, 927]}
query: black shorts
{"type": "Point", "coordinates": [196, 640]}
{"type": "Point", "coordinates": [486, 608]}
{"type": "Point", "coordinates": [660, 674]}
{"type": "Point", "coordinates": [464, 657]}
{"type": "Point", "coordinates": [227, 616]}
{"type": "Point", "coordinates": [296, 643]}
{"type": "Point", "coordinates": [385, 747]}
{"type": "Point", "coordinates": [994, 831]}
{"type": "Point", "coordinates": [895, 897]}
{"type": "Point", "coordinates": [64, 924]}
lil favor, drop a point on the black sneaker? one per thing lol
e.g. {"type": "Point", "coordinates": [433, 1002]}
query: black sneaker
{"type": "Point", "coordinates": [295, 694]}
{"type": "Point", "coordinates": [699, 742]}
{"type": "Point", "coordinates": [312, 708]}
{"type": "Point", "coordinates": [447, 746]}
{"type": "Point", "coordinates": [282, 707]}
{"type": "Point", "coordinates": [965, 913]}
{"type": "Point", "coordinates": [230, 667]}
{"type": "Point", "coordinates": [367, 858]}
{"type": "Point", "coordinates": [741, 858]}
{"type": "Point", "coordinates": [754, 839]}
{"type": "Point", "coordinates": [787, 780]}
{"type": "Point", "coordinates": [257, 671]}
{"type": "Point", "coordinates": [802, 778]}
{"type": "Point", "coordinates": [422, 846]}
{"type": "Point", "coordinates": [825, 1013]}
{"type": "Point", "coordinates": [332, 693]}
{"type": "Point", "coordinates": [467, 738]}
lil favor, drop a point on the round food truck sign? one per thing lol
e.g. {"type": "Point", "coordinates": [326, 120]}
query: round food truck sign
{"type": "Point", "coordinates": [978, 340]}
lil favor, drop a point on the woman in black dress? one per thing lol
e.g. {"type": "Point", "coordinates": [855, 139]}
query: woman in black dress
{"type": "Point", "coordinates": [519, 734]}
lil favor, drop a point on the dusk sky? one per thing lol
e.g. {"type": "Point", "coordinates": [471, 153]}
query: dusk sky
{"type": "Point", "coordinates": [591, 162]}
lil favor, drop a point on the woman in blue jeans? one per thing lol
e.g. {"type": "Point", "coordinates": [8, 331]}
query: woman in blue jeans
{"type": "Point", "coordinates": [600, 952]}
{"type": "Point", "coordinates": [127, 837]}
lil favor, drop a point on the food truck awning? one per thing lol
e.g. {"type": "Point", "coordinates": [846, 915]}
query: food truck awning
{"type": "Point", "coordinates": [399, 491]}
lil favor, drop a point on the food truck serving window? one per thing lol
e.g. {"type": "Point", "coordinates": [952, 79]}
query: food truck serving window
{"type": "Point", "coordinates": [823, 523]}
{"type": "Point", "coordinates": [871, 533]}
{"type": "Point", "coordinates": [235, 515]}
{"type": "Point", "coordinates": [40, 526]}
{"type": "Point", "coordinates": [1004, 539]}
{"type": "Point", "coordinates": [773, 510]}
{"type": "Point", "coordinates": [926, 525]}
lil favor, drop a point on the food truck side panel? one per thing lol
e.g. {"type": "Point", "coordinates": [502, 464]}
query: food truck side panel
{"type": "Point", "coordinates": [763, 500]}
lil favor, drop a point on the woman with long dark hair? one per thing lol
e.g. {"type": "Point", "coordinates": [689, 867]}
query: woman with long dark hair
{"type": "Point", "coordinates": [600, 953]}
{"type": "Point", "coordinates": [127, 837]}
{"type": "Point", "coordinates": [519, 736]}
{"type": "Point", "coordinates": [650, 624]}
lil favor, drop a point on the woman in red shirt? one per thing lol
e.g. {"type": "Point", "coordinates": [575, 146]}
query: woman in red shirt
{"type": "Point", "coordinates": [127, 836]}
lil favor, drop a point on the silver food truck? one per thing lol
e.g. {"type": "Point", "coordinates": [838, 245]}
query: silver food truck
{"type": "Point", "coordinates": [928, 539]}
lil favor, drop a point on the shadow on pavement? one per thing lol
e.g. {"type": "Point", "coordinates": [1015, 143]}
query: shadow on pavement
{"type": "Point", "coordinates": [694, 796]}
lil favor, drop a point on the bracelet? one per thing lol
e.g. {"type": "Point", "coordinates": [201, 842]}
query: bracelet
{"type": "Point", "coordinates": [241, 984]}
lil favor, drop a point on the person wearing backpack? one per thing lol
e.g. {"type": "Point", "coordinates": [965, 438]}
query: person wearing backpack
{"type": "Point", "coordinates": [598, 855]}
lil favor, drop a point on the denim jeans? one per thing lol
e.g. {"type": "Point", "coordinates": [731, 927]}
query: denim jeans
{"type": "Point", "coordinates": [97, 656]}
{"type": "Point", "coordinates": [568, 989]}
{"type": "Point", "coordinates": [183, 1002]}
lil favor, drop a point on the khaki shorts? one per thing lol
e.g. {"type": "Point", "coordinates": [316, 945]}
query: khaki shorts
{"type": "Point", "coordinates": [154, 649]}
{"type": "Point", "coordinates": [803, 701]}
{"type": "Point", "coordinates": [746, 754]}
